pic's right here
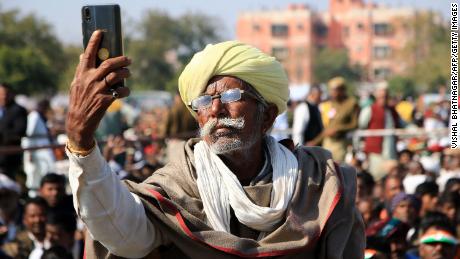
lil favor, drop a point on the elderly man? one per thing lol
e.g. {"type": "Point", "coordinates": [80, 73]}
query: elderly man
{"type": "Point", "coordinates": [233, 192]}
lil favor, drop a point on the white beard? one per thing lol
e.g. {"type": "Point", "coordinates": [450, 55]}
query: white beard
{"type": "Point", "coordinates": [224, 143]}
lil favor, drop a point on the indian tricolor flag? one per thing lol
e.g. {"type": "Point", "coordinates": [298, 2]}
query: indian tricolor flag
{"type": "Point", "coordinates": [369, 253]}
{"type": "Point", "coordinates": [438, 236]}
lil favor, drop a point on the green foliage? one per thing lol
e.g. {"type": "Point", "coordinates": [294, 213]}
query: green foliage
{"type": "Point", "coordinates": [26, 69]}
{"type": "Point", "coordinates": [71, 54]}
{"type": "Point", "coordinates": [195, 32]}
{"type": "Point", "coordinates": [30, 55]}
{"type": "Point", "coordinates": [428, 50]}
{"type": "Point", "coordinates": [402, 86]}
{"type": "Point", "coordinates": [33, 61]}
{"type": "Point", "coordinates": [164, 45]}
{"type": "Point", "coordinates": [329, 63]}
{"type": "Point", "coordinates": [149, 69]}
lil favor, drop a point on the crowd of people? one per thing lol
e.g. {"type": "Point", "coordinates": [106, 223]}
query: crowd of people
{"type": "Point", "coordinates": [37, 216]}
{"type": "Point", "coordinates": [408, 186]}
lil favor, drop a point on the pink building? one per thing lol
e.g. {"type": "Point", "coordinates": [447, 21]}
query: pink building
{"type": "Point", "coordinates": [372, 35]}
{"type": "Point", "coordinates": [286, 34]}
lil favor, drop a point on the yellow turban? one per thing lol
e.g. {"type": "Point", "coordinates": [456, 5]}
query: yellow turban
{"type": "Point", "coordinates": [240, 60]}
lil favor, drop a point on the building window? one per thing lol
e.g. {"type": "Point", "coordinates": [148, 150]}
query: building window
{"type": "Point", "coordinates": [320, 29]}
{"type": "Point", "coordinates": [382, 29]}
{"type": "Point", "coordinates": [382, 73]}
{"type": "Point", "coordinates": [406, 26]}
{"type": "Point", "coordinates": [279, 30]}
{"type": "Point", "coordinates": [320, 46]}
{"type": "Point", "coordinates": [346, 31]}
{"type": "Point", "coordinates": [360, 26]}
{"type": "Point", "coordinates": [381, 52]}
{"type": "Point", "coordinates": [300, 27]}
{"type": "Point", "coordinates": [256, 27]}
{"type": "Point", "coordinates": [280, 53]}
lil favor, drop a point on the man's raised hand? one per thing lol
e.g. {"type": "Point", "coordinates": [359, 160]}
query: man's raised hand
{"type": "Point", "coordinates": [91, 93]}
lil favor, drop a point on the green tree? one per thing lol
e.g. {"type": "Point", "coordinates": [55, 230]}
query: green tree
{"type": "Point", "coordinates": [195, 31]}
{"type": "Point", "coordinates": [164, 45]}
{"type": "Point", "coordinates": [402, 86]}
{"type": "Point", "coordinates": [71, 54]}
{"type": "Point", "coordinates": [31, 57]}
{"type": "Point", "coordinates": [150, 69]}
{"type": "Point", "coordinates": [427, 51]}
{"type": "Point", "coordinates": [27, 70]}
{"type": "Point", "coordinates": [329, 63]}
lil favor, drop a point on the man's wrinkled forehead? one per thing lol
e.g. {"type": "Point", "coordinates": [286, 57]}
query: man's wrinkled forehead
{"type": "Point", "coordinates": [222, 83]}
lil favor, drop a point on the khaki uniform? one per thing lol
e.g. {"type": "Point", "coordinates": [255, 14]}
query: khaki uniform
{"type": "Point", "coordinates": [342, 117]}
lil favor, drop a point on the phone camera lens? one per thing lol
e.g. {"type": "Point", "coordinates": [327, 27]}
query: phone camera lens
{"type": "Point", "coordinates": [87, 14]}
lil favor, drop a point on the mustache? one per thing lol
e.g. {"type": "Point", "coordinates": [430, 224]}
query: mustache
{"type": "Point", "coordinates": [227, 122]}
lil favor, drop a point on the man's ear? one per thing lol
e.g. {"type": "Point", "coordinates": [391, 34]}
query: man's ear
{"type": "Point", "coordinates": [271, 112]}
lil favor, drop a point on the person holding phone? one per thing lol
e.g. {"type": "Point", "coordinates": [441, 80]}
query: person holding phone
{"type": "Point", "coordinates": [233, 191]}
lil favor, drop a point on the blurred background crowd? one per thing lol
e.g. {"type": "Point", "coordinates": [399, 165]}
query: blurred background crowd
{"type": "Point", "coordinates": [407, 173]}
{"type": "Point", "coordinates": [391, 124]}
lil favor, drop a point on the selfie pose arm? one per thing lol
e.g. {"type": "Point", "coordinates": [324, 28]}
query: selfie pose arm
{"type": "Point", "coordinates": [114, 216]}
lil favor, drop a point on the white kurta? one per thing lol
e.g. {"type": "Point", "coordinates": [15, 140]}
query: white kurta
{"type": "Point", "coordinates": [301, 119]}
{"type": "Point", "coordinates": [39, 162]}
{"type": "Point", "coordinates": [114, 216]}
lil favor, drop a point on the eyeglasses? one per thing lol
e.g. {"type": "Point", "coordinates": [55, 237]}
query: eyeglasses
{"type": "Point", "coordinates": [229, 96]}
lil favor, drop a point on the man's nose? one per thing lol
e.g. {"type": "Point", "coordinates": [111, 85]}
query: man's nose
{"type": "Point", "coordinates": [437, 247]}
{"type": "Point", "coordinates": [217, 108]}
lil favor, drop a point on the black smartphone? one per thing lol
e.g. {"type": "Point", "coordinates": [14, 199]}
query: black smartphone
{"type": "Point", "coordinates": [107, 19]}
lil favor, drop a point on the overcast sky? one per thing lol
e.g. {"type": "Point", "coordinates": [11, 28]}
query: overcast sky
{"type": "Point", "coordinates": [64, 15]}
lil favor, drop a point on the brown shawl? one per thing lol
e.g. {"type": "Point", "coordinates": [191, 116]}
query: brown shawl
{"type": "Point", "coordinates": [321, 221]}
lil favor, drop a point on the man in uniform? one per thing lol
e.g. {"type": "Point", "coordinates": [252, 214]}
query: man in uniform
{"type": "Point", "coordinates": [340, 116]}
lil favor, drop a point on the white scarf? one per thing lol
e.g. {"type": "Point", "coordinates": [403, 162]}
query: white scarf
{"type": "Point", "coordinates": [219, 189]}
